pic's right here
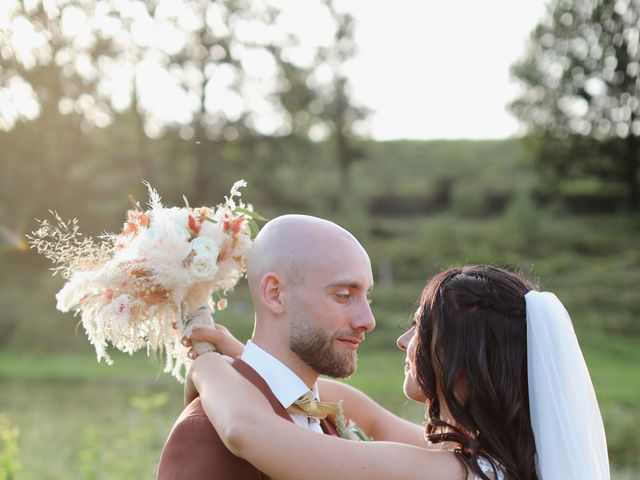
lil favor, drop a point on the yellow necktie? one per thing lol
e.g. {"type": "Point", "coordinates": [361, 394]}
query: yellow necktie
{"type": "Point", "coordinates": [311, 407]}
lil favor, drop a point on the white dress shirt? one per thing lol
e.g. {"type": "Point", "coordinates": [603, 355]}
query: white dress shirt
{"type": "Point", "coordinates": [285, 385]}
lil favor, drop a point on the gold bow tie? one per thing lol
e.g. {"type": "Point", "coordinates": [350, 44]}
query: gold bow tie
{"type": "Point", "coordinates": [311, 407]}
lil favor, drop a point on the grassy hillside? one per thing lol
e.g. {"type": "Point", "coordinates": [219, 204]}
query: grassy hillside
{"type": "Point", "coordinates": [416, 207]}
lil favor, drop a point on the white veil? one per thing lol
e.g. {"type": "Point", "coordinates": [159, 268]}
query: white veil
{"type": "Point", "coordinates": [566, 421]}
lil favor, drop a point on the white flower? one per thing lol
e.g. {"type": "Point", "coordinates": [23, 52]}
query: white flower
{"type": "Point", "coordinates": [235, 192]}
{"type": "Point", "coordinates": [204, 266]}
{"type": "Point", "coordinates": [176, 219]}
{"type": "Point", "coordinates": [243, 245]}
{"type": "Point", "coordinates": [74, 291]}
{"type": "Point", "coordinates": [213, 231]}
{"type": "Point", "coordinates": [205, 246]}
{"type": "Point", "coordinates": [121, 305]}
{"type": "Point", "coordinates": [235, 189]}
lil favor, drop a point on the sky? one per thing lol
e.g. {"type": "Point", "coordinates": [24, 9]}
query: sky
{"type": "Point", "coordinates": [440, 69]}
{"type": "Point", "coordinates": [427, 69]}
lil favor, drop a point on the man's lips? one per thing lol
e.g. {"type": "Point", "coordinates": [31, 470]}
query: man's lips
{"type": "Point", "coordinates": [350, 342]}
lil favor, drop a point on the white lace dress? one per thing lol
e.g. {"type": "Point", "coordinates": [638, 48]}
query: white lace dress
{"type": "Point", "coordinates": [487, 469]}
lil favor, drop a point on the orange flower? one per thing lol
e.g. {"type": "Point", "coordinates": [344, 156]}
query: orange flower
{"type": "Point", "coordinates": [222, 304]}
{"type": "Point", "coordinates": [138, 217]}
{"type": "Point", "coordinates": [129, 228]}
{"type": "Point", "coordinates": [135, 221]}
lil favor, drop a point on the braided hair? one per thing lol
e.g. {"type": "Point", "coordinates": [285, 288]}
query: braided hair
{"type": "Point", "coordinates": [470, 353]}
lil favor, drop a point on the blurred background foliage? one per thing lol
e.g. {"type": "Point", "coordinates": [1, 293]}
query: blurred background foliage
{"type": "Point", "coordinates": [79, 130]}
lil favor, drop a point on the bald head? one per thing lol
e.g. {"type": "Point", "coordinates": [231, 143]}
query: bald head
{"type": "Point", "coordinates": [309, 280]}
{"type": "Point", "coordinates": [291, 245]}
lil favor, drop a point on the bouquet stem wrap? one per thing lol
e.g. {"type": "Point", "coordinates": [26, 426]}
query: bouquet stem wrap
{"type": "Point", "coordinates": [200, 318]}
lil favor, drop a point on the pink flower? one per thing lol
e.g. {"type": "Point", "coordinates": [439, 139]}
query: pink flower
{"type": "Point", "coordinates": [195, 225]}
{"type": "Point", "coordinates": [237, 224]}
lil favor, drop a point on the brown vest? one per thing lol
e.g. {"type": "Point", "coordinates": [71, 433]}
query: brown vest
{"type": "Point", "coordinates": [194, 450]}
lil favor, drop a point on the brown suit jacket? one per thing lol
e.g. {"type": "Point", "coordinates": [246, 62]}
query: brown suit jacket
{"type": "Point", "coordinates": [194, 450]}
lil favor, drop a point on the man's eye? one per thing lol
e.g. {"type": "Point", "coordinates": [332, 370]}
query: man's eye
{"type": "Point", "coordinates": [343, 296]}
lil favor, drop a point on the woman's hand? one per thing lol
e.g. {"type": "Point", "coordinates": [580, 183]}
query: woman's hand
{"type": "Point", "coordinates": [219, 337]}
{"type": "Point", "coordinates": [190, 384]}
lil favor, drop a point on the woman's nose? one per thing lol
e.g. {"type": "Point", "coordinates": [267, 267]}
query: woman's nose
{"type": "Point", "coordinates": [403, 340]}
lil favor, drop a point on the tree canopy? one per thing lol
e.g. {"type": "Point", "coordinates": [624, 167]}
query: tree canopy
{"type": "Point", "coordinates": [581, 92]}
{"type": "Point", "coordinates": [220, 87]}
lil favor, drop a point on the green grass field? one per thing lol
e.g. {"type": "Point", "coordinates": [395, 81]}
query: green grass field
{"type": "Point", "coordinates": [64, 416]}
{"type": "Point", "coordinates": [78, 419]}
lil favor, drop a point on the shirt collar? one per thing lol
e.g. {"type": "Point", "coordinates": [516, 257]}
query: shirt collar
{"type": "Point", "coordinates": [283, 382]}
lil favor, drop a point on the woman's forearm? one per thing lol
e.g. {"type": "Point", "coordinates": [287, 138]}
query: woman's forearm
{"type": "Point", "coordinates": [300, 454]}
{"type": "Point", "coordinates": [230, 401]}
{"type": "Point", "coordinates": [377, 422]}
{"type": "Point", "coordinates": [247, 425]}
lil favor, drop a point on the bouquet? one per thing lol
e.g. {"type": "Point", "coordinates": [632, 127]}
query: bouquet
{"type": "Point", "coordinates": [147, 286]}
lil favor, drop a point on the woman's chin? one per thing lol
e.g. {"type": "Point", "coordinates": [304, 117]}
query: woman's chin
{"type": "Point", "coordinates": [413, 392]}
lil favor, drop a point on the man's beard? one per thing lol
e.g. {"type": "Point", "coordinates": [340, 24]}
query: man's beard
{"type": "Point", "coordinates": [315, 348]}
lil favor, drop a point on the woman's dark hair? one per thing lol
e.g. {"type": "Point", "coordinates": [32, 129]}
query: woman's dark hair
{"type": "Point", "coordinates": [470, 350]}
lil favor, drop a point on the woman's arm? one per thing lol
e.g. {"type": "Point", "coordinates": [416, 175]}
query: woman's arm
{"type": "Point", "coordinates": [246, 424]}
{"type": "Point", "coordinates": [378, 422]}
{"type": "Point", "coordinates": [221, 338]}
{"type": "Point", "coordinates": [375, 420]}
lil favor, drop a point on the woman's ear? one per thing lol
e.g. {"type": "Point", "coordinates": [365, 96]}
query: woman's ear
{"type": "Point", "coordinates": [271, 288]}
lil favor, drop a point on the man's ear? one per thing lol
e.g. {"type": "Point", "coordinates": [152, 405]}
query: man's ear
{"type": "Point", "coordinates": [271, 288]}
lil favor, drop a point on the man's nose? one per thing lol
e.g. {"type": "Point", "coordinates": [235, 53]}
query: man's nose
{"type": "Point", "coordinates": [364, 321]}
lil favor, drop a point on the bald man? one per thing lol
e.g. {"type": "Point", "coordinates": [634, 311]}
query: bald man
{"type": "Point", "coordinates": [309, 281]}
